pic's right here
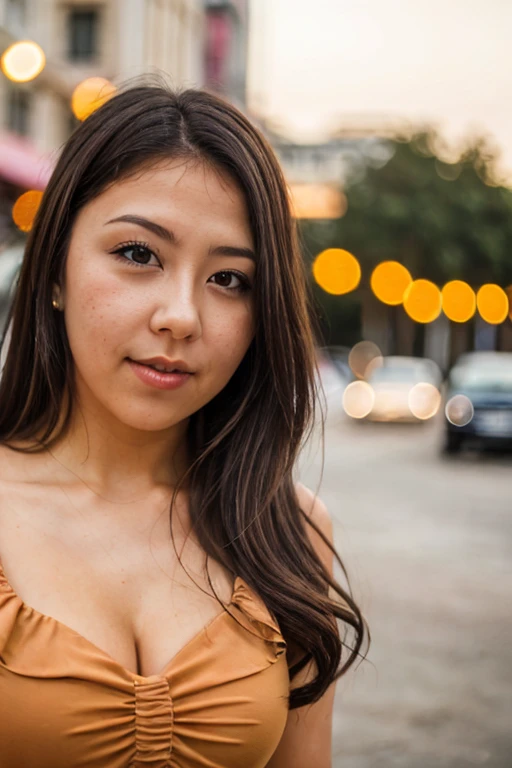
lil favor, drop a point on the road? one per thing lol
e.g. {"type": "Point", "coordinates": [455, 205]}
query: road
{"type": "Point", "coordinates": [428, 544]}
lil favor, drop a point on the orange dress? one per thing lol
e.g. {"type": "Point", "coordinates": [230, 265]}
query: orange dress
{"type": "Point", "coordinates": [221, 702]}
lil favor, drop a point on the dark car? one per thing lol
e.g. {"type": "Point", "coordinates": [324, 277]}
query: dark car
{"type": "Point", "coordinates": [479, 401]}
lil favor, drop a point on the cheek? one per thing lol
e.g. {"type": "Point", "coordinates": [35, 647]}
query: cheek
{"type": "Point", "coordinates": [94, 317]}
{"type": "Point", "coordinates": [231, 336]}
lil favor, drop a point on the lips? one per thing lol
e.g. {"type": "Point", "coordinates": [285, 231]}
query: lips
{"type": "Point", "coordinates": [165, 364]}
{"type": "Point", "coordinates": [164, 370]}
{"type": "Point", "coordinates": [156, 379]}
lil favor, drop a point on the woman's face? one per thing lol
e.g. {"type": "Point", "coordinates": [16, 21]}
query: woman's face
{"type": "Point", "coordinates": [160, 265]}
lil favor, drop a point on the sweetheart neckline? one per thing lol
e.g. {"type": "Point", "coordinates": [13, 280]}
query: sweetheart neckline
{"type": "Point", "coordinates": [134, 675]}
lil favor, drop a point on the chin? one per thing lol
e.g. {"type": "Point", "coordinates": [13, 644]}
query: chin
{"type": "Point", "coordinates": [156, 419]}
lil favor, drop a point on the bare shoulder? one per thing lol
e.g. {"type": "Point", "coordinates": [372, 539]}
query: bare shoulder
{"type": "Point", "coordinates": [6, 458]}
{"type": "Point", "coordinates": [22, 486]}
{"type": "Point", "coordinates": [318, 513]}
{"type": "Point", "coordinates": [9, 465]}
{"type": "Point", "coordinates": [314, 508]}
{"type": "Point", "coordinates": [307, 738]}
{"type": "Point", "coordinates": [20, 463]}
{"type": "Point", "coordinates": [16, 468]}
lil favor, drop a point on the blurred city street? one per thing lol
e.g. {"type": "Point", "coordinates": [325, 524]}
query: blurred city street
{"type": "Point", "coordinates": [428, 543]}
{"type": "Point", "coordinates": [392, 125]}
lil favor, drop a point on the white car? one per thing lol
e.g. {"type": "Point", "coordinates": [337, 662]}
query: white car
{"type": "Point", "coordinates": [404, 389]}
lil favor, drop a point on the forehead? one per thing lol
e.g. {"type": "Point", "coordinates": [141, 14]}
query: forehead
{"type": "Point", "coordinates": [181, 192]}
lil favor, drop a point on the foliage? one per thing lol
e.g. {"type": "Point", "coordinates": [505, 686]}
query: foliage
{"type": "Point", "coordinates": [442, 221]}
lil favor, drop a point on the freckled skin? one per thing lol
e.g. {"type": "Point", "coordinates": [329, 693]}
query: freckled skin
{"type": "Point", "coordinates": [172, 306]}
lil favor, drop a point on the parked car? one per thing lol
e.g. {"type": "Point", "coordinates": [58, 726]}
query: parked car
{"type": "Point", "coordinates": [332, 379]}
{"type": "Point", "coordinates": [339, 356]}
{"type": "Point", "coordinates": [478, 405]}
{"type": "Point", "coordinates": [404, 389]}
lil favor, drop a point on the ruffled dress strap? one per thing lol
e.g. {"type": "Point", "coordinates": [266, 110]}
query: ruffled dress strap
{"type": "Point", "coordinates": [252, 612]}
{"type": "Point", "coordinates": [10, 608]}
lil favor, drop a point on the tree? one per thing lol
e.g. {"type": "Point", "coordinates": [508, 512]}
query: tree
{"type": "Point", "coordinates": [442, 221]}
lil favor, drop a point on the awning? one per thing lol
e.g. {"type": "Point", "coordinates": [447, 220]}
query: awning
{"type": "Point", "coordinates": [22, 164]}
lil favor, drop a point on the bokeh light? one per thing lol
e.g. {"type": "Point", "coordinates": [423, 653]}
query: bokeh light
{"type": "Point", "coordinates": [389, 281]}
{"type": "Point", "coordinates": [317, 201]}
{"type": "Point", "coordinates": [423, 301]}
{"type": "Point", "coordinates": [492, 303]}
{"type": "Point", "coordinates": [508, 291]}
{"type": "Point", "coordinates": [363, 356]}
{"type": "Point", "coordinates": [25, 208]}
{"type": "Point", "coordinates": [424, 400]}
{"type": "Point", "coordinates": [336, 271]}
{"type": "Point", "coordinates": [459, 410]}
{"type": "Point", "coordinates": [459, 301]}
{"type": "Point", "coordinates": [89, 95]}
{"type": "Point", "coordinates": [23, 61]}
{"type": "Point", "coordinates": [358, 399]}
{"type": "Point", "coordinates": [448, 171]}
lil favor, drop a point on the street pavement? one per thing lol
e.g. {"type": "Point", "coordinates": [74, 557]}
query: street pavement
{"type": "Point", "coordinates": [428, 544]}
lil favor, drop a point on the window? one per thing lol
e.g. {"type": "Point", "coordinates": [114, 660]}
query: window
{"type": "Point", "coordinates": [18, 111]}
{"type": "Point", "coordinates": [83, 28]}
{"type": "Point", "coordinates": [15, 15]}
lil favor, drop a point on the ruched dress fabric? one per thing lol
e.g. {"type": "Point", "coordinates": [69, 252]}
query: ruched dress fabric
{"type": "Point", "coordinates": [221, 702]}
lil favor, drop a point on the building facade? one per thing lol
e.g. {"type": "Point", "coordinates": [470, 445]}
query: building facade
{"type": "Point", "coordinates": [115, 39]}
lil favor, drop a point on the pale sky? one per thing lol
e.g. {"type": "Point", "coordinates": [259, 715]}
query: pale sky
{"type": "Point", "coordinates": [314, 64]}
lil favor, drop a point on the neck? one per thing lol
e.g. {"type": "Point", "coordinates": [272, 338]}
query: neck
{"type": "Point", "coordinates": [117, 461]}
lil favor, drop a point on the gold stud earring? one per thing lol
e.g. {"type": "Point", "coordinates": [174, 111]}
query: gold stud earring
{"type": "Point", "coordinates": [56, 297]}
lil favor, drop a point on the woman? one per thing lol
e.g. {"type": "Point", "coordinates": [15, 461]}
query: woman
{"type": "Point", "coordinates": [166, 593]}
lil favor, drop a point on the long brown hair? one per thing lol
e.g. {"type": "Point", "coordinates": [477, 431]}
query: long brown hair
{"type": "Point", "coordinates": [245, 442]}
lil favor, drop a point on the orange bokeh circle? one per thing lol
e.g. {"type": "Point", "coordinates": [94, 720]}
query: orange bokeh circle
{"type": "Point", "coordinates": [492, 303]}
{"type": "Point", "coordinates": [336, 271]}
{"type": "Point", "coordinates": [89, 95]}
{"type": "Point", "coordinates": [422, 301]}
{"type": "Point", "coordinates": [389, 281]}
{"type": "Point", "coordinates": [25, 208]}
{"type": "Point", "coordinates": [459, 301]}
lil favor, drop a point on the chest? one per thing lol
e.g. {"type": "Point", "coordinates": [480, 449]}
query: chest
{"type": "Point", "coordinates": [121, 587]}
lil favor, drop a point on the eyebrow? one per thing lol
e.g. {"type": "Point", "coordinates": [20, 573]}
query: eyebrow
{"type": "Point", "coordinates": [170, 237]}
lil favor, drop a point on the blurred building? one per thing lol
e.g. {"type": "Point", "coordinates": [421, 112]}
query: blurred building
{"type": "Point", "coordinates": [115, 39]}
{"type": "Point", "coordinates": [317, 173]}
{"type": "Point", "coordinates": [227, 24]}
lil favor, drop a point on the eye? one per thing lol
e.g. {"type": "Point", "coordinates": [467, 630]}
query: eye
{"type": "Point", "coordinates": [231, 281]}
{"type": "Point", "coordinates": [136, 254]}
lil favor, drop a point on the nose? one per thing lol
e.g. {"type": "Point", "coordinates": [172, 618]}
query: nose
{"type": "Point", "coordinates": [177, 312]}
